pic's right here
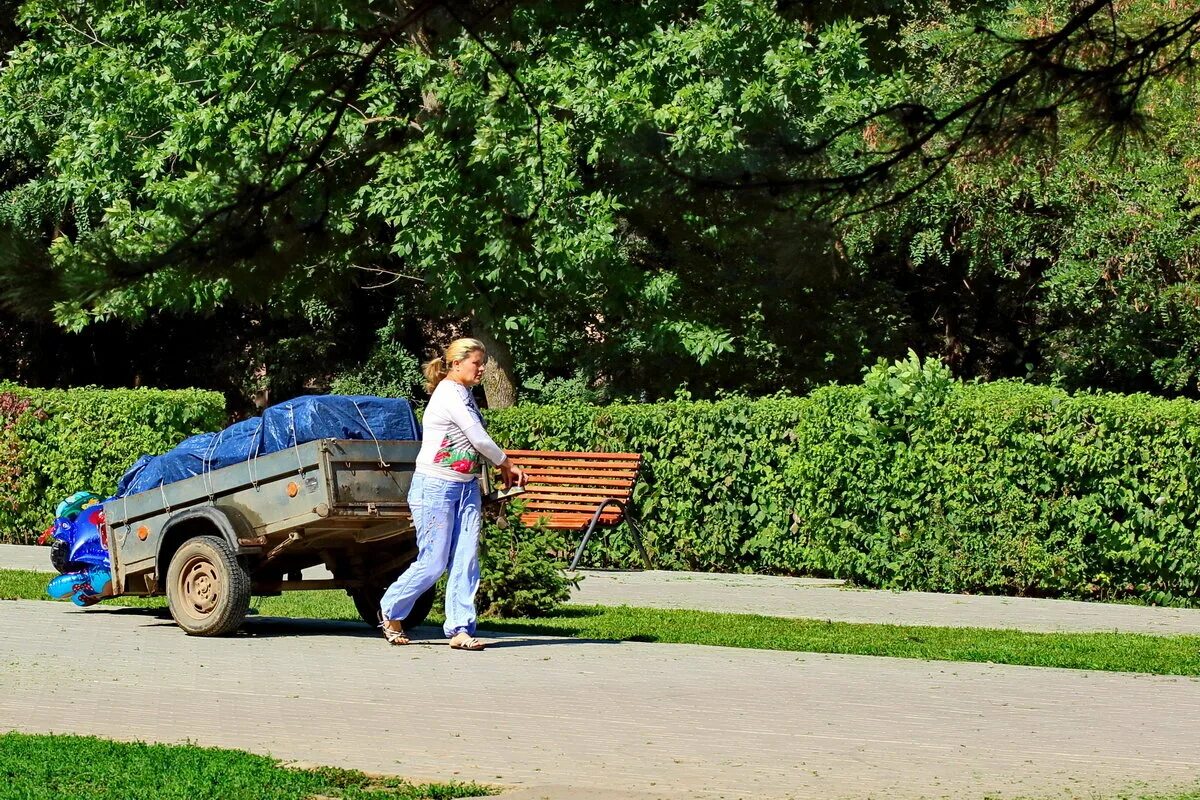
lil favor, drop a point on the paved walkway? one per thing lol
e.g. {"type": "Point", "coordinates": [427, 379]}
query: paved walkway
{"type": "Point", "coordinates": [19, 556]}
{"type": "Point", "coordinates": [570, 718]}
{"type": "Point", "coordinates": [815, 598]}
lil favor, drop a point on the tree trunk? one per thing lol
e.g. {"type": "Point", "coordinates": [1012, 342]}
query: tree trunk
{"type": "Point", "coordinates": [499, 383]}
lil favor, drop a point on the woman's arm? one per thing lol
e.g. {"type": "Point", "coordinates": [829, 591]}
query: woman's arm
{"type": "Point", "coordinates": [460, 414]}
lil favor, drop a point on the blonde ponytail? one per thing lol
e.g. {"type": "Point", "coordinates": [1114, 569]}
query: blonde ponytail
{"type": "Point", "coordinates": [435, 369]}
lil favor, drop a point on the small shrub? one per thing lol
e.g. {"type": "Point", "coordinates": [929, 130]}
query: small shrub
{"type": "Point", "coordinates": [521, 571]}
{"type": "Point", "coordinates": [389, 370]}
{"type": "Point", "coordinates": [905, 393]}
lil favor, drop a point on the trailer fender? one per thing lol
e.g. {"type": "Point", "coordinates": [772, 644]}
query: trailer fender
{"type": "Point", "coordinates": [203, 521]}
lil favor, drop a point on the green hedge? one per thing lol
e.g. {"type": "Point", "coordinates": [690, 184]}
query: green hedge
{"type": "Point", "coordinates": [1005, 488]}
{"type": "Point", "coordinates": [56, 442]}
{"type": "Point", "coordinates": [713, 494]}
{"type": "Point", "coordinates": [912, 481]}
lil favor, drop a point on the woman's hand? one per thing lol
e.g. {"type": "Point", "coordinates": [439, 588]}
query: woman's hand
{"type": "Point", "coordinates": [511, 474]}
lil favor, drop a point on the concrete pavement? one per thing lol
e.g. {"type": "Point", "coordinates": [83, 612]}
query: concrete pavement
{"type": "Point", "coordinates": [564, 718]}
{"type": "Point", "coordinates": [567, 718]}
{"type": "Point", "coordinates": [21, 556]}
{"type": "Point", "coordinates": [820, 598]}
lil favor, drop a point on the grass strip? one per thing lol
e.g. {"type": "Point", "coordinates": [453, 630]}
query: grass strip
{"type": "Point", "coordinates": [40, 767]}
{"type": "Point", "coordinates": [1112, 652]}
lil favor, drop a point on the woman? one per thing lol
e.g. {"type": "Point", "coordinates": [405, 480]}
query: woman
{"type": "Point", "coordinates": [444, 497]}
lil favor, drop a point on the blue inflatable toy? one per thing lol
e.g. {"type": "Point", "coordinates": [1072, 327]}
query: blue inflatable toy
{"type": "Point", "coordinates": [84, 539]}
{"type": "Point", "coordinates": [78, 532]}
{"type": "Point", "coordinates": [71, 508]}
{"type": "Point", "coordinates": [84, 588]}
{"type": "Point", "coordinates": [65, 584]}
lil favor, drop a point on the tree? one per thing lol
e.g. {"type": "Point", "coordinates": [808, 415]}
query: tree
{"type": "Point", "coordinates": [1062, 258]}
{"type": "Point", "coordinates": [179, 160]}
{"type": "Point", "coordinates": [716, 193]}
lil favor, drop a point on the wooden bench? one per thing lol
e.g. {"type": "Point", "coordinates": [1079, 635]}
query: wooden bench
{"type": "Point", "coordinates": [573, 491]}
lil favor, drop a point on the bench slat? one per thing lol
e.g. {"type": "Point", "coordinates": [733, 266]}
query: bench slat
{"type": "Point", "coordinates": [567, 455]}
{"type": "Point", "coordinates": [580, 466]}
{"type": "Point", "coordinates": [566, 521]}
{"type": "Point", "coordinates": [576, 475]}
{"type": "Point", "coordinates": [557, 480]}
{"type": "Point", "coordinates": [577, 480]}
{"type": "Point", "coordinates": [579, 504]}
{"type": "Point", "coordinates": [598, 492]}
{"type": "Point", "coordinates": [536, 500]}
{"type": "Point", "coordinates": [572, 519]}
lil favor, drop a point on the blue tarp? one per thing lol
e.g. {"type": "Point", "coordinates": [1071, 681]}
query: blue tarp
{"type": "Point", "coordinates": [297, 421]}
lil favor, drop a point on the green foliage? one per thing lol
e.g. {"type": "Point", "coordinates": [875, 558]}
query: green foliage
{"type": "Point", "coordinates": [577, 388]}
{"type": "Point", "coordinates": [712, 492]}
{"type": "Point", "coordinates": [533, 179]}
{"type": "Point", "coordinates": [911, 482]}
{"type": "Point", "coordinates": [1014, 488]}
{"type": "Point", "coordinates": [389, 371]}
{"type": "Point", "coordinates": [905, 391]}
{"type": "Point", "coordinates": [38, 767]}
{"type": "Point", "coordinates": [1054, 257]}
{"type": "Point", "coordinates": [521, 572]}
{"type": "Point", "coordinates": [54, 443]}
{"type": "Point", "coordinates": [471, 189]}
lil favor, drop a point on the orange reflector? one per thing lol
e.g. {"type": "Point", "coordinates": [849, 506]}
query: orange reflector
{"type": "Point", "coordinates": [143, 532]}
{"type": "Point", "coordinates": [293, 489]}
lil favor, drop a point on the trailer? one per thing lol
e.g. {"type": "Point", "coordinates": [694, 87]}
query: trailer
{"type": "Point", "coordinates": [210, 542]}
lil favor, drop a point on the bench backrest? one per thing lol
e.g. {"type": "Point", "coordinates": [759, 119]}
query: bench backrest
{"type": "Point", "coordinates": [565, 488]}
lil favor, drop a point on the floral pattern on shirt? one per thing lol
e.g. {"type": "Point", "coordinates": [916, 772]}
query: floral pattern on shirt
{"type": "Point", "coordinates": [458, 456]}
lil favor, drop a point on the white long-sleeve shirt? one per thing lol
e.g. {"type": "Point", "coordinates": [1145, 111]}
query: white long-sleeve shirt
{"type": "Point", "coordinates": [454, 441]}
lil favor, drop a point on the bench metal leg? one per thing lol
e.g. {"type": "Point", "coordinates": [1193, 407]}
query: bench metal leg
{"type": "Point", "coordinates": [637, 539]}
{"type": "Point", "coordinates": [637, 532]}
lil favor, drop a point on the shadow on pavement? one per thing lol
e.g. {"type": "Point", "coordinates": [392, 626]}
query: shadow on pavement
{"type": "Point", "coordinates": [522, 642]}
{"type": "Point", "coordinates": [425, 635]}
{"type": "Point", "coordinates": [129, 611]}
{"type": "Point", "coordinates": [264, 627]}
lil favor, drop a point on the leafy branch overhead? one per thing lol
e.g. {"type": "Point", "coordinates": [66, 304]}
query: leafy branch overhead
{"type": "Point", "coordinates": [731, 192]}
{"type": "Point", "coordinates": [1092, 61]}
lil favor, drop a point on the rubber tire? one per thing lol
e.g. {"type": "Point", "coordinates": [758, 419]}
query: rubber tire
{"type": "Point", "coordinates": [232, 587]}
{"type": "Point", "coordinates": [366, 602]}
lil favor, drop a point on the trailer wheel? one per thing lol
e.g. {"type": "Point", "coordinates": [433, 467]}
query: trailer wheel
{"type": "Point", "coordinates": [366, 602]}
{"type": "Point", "coordinates": [208, 591]}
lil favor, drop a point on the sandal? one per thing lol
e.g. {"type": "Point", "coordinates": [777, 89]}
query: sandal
{"type": "Point", "coordinates": [394, 635]}
{"type": "Point", "coordinates": [465, 641]}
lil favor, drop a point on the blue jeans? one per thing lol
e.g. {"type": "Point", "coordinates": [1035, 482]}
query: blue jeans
{"type": "Point", "coordinates": [447, 515]}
